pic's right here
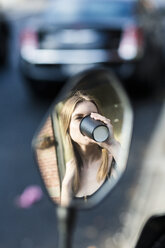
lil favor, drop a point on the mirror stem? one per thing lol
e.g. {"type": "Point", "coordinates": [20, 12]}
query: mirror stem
{"type": "Point", "coordinates": [66, 219]}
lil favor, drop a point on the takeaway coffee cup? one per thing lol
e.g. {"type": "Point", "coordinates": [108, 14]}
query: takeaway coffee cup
{"type": "Point", "coordinates": [94, 129]}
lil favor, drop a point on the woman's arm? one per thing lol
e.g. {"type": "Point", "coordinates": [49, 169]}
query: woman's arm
{"type": "Point", "coordinates": [66, 194]}
{"type": "Point", "coordinates": [114, 148]}
{"type": "Point", "coordinates": [66, 191]}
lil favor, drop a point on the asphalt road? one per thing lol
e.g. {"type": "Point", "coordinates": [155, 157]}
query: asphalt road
{"type": "Point", "coordinates": [20, 115]}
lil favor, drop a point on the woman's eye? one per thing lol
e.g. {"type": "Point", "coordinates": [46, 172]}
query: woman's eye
{"type": "Point", "coordinates": [79, 118]}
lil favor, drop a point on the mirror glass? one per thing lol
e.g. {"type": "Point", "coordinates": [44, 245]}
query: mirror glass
{"type": "Point", "coordinates": [82, 145]}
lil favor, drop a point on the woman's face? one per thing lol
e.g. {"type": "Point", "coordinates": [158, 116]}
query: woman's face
{"type": "Point", "coordinates": [82, 109]}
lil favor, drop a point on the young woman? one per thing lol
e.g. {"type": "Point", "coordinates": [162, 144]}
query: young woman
{"type": "Point", "coordinates": [92, 162]}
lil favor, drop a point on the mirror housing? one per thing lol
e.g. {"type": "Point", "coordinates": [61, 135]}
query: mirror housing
{"type": "Point", "coordinates": [53, 152]}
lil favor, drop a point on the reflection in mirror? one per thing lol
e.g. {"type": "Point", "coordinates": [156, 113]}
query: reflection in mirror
{"type": "Point", "coordinates": [82, 147]}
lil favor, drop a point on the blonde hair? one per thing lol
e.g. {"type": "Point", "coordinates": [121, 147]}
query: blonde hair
{"type": "Point", "coordinates": [67, 110]}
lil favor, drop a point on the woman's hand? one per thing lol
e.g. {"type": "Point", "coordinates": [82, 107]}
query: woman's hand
{"type": "Point", "coordinates": [111, 144]}
{"type": "Point", "coordinates": [107, 122]}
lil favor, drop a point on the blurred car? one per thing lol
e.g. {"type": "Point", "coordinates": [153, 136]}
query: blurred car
{"type": "Point", "coordinates": [74, 35]}
{"type": "Point", "coordinates": [4, 38]}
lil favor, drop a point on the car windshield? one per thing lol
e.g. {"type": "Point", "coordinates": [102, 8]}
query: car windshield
{"type": "Point", "coordinates": [90, 11]}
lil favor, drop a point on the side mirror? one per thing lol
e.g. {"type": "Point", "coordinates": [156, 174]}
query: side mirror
{"type": "Point", "coordinates": [77, 169]}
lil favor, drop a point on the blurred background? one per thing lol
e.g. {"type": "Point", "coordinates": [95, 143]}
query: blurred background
{"type": "Point", "coordinates": [42, 44]}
